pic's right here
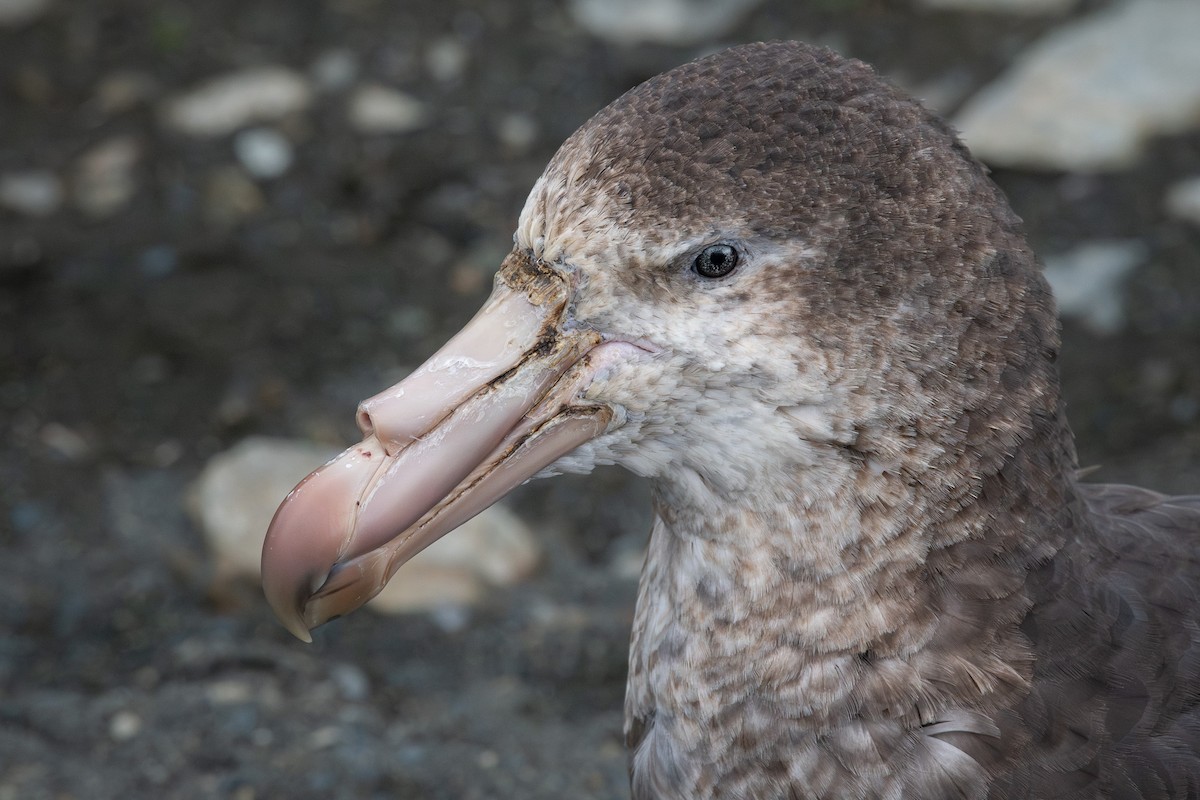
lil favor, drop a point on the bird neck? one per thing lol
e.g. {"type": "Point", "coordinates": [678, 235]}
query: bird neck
{"type": "Point", "coordinates": [862, 594]}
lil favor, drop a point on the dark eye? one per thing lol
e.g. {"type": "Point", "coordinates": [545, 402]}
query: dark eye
{"type": "Point", "coordinates": [715, 261]}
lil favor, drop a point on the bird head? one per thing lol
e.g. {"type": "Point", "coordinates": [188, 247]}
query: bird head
{"type": "Point", "coordinates": [766, 262]}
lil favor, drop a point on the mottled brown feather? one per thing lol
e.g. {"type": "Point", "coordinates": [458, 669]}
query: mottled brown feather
{"type": "Point", "coordinates": [987, 626]}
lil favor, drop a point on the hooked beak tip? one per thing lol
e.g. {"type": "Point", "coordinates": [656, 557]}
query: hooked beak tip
{"type": "Point", "coordinates": [289, 609]}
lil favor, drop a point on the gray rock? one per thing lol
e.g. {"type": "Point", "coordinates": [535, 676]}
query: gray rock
{"type": "Point", "coordinates": [104, 176]}
{"type": "Point", "coordinates": [67, 443]}
{"type": "Point", "coordinates": [19, 12]}
{"type": "Point", "coordinates": [264, 152]}
{"type": "Point", "coordinates": [1089, 95]}
{"type": "Point", "coordinates": [224, 104]}
{"type": "Point", "coordinates": [334, 70]}
{"type": "Point", "coordinates": [230, 197]}
{"type": "Point", "coordinates": [34, 192]}
{"type": "Point", "coordinates": [1183, 199]}
{"type": "Point", "coordinates": [446, 59]}
{"type": "Point", "coordinates": [377, 109]}
{"type": "Point", "coordinates": [1088, 280]}
{"type": "Point", "coordinates": [675, 22]}
{"type": "Point", "coordinates": [236, 495]}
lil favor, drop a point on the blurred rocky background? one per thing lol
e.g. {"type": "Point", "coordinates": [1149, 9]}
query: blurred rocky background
{"type": "Point", "coordinates": [224, 223]}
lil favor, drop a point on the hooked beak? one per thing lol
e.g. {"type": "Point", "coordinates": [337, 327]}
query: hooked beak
{"type": "Point", "coordinates": [497, 404]}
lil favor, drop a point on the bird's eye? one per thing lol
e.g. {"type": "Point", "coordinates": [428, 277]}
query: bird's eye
{"type": "Point", "coordinates": [715, 261]}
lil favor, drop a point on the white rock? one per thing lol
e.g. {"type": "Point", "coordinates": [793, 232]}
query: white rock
{"type": "Point", "coordinates": [224, 104]}
{"type": "Point", "coordinates": [265, 153]}
{"type": "Point", "coordinates": [1183, 199]}
{"type": "Point", "coordinates": [124, 725]}
{"type": "Point", "coordinates": [19, 12]}
{"type": "Point", "coordinates": [35, 192]}
{"type": "Point", "coordinates": [104, 179]}
{"type": "Point", "coordinates": [1089, 95]}
{"type": "Point", "coordinates": [378, 109]}
{"type": "Point", "coordinates": [1016, 7]}
{"type": "Point", "coordinates": [1088, 281]}
{"type": "Point", "coordinates": [236, 495]}
{"type": "Point", "coordinates": [494, 549]}
{"type": "Point", "coordinates": [676, 22]}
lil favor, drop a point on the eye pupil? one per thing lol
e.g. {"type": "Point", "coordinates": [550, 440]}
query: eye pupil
{"type": "Point", "coordinates": [715, 261]}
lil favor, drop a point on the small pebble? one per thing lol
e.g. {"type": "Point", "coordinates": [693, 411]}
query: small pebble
{"type": "Point", "coordinates": [325, 737]}
{"type": "Point", "coordinates": [104, 177]}
{"type": "Point", "coordinates": [1183, 200]}
{"type": "Point", "coordinates": [231, 197]}
{"type": "Point", "coordinates": [124, 725]}
{"type": "Point", "coordinates": [64, 441]}
{"type": "Point", "coordinates": [265, 153]}
{"type": "Point", "coordinates": [124, 90]}
{"type": "Point", "coordinates": [1088, 281]}
{"type": "Point", "coordinates": [351, 681]}
{"type": "Point", "coordinates": [378, 109]}
{"type": "Point", "coordinates": [671, 22]}
{"type": "Point", "coordinates": [334, 70]}
{"type": "Point", "coordinates": [231, 101]}
{"type": "Point", "coordinates": [446, 59]}
{"type": "Point", "coordinates": [228, 692]}
{"type": "Point", "coordinates": [34, 193]}
{"type": "Point", "coordinates": [517, 132]}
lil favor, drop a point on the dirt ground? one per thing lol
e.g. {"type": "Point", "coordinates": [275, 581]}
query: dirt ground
{"type": "Point", "coordinates": [138, 342]}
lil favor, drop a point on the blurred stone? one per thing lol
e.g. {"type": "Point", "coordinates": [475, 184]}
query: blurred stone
{"type": "Point", "coordinates": [674, 22]}
{"type": "Point", "coordinates": [229, 692]}
{"type": "Point", "coordinates": [1021, 7]}
{"type": "Point", "coordinates": [378, 109]}
{"type": "Point", "coordinates": [18, 12]}
{"type": "Point", "coordinates": [1088, 96]}
{"type": "Point", "coordinates": [265, 153]}
{"type": "Point", "coordinates": [494, 549]}
{"type": "Point", "coordinates": [230, 197]}
{"type": "Point", "coordinates": [236, 495]}
{"type": "Point", "coordinates": [517, 132]}
{"type": "Point", "coordinates": [124, 90]}
{"type": "Point", "coordinates": [446, 59]}
{"type": "Point", "coordinates": [104, 179]}
{"type": "Point", "coordinates": [334, 70]}
{"type": "Point", "coordinates": [34, 192]}
{"type": "Point", "coordinates": [1183, 199]}
{"type": "Point", "coordinates": [124, 725]}
{"type": "Point", "coordinates": [1088, 282]}
{"type": "Point", "coordinates": [224, 104]}
{"type": "Point", "coordinates": [352, 683]}
{"type": "Point", "coordinates": [66, 442]}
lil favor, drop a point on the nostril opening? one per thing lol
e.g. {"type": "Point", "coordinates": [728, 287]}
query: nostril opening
{"type": "Point", "coordinates": [363, 418]}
